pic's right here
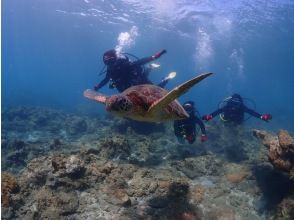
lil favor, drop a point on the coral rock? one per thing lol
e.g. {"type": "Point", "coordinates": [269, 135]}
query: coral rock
{"type": "Point", "coordinates": [115, 147]}
{"type": "Point", "coordinates": [75, 167]}
{"type": "Point", "coordinates": [285, 210]}
{"type": "Point", "coordinates": [52, 204]}
{"type": "Point", "coordinates": [285, 140]}
{"type": "Point", "coordinates": [281, 150]}
{"type": "Point", "coordinates": [187, 216]}
{"type": "Point", "coordinates": [71, 166]}
{"type": "Point", "coordinates": [58, 163]}
{"type": "Point", "coordinates": [221, 213]}
{"type": "Point", "coordinates": [122, 198]}
{"type": "Point", "coordinates": [8, 185]}
{"type": "Point", "coordinates": [76, 126]}
{"type": "Point", "coordinates": [200, 166]}
{"type": "Point", "coordinates": [236, 177]}
{"type": "Point", "coordinates": [198, 193]}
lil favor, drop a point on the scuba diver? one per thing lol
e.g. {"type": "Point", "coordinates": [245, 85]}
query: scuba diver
{"type": "Point", "coordinates": [186, 128]}
{"type": "Point", "coordinates": [123, 73]}
{"type": "Point", "coordinates": [234, 109]}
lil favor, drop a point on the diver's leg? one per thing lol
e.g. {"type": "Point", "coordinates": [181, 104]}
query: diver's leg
{"type": "Point", "coordinates": [146, 71]}
{"type": "Point", "coordinates": [181, 140]}
{"type": "Point", "coordinates": [165, 80]}
{"type": "Point", "coordinates": [163, 83]}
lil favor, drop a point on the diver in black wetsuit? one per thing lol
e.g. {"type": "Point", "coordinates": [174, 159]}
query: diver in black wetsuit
{"type": "Point", "coordinates": [234, 110]}
{"type": "Point", "coordinates": [123, 73]}
{"type": "Point", "coordinates": [186, 128]}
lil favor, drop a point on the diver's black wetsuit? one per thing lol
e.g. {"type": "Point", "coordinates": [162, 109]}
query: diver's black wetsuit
{"type": "Point", "coordinates": [235, 112]}
{"type": "Point", "coordinates": [186, 128]}
{"type": "Point", "coordinates": [124, 73]}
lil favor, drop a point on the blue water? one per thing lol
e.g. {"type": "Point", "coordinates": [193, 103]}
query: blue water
{"type": "Point", "coordinates": [52, 50]}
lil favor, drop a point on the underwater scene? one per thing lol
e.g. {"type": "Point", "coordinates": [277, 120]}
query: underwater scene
{"type": "Point", "coordinates": [156, 109]}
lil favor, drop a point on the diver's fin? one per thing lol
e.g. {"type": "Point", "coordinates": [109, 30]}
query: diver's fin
{"type": "Point", "coordinates": [154, 65]}
{"type": "Point", "coordinates": [171, 75]}
{"type": "Point", "coordinates": [175, 93]}
{"type": "Point", "coordinates": [96, 96]}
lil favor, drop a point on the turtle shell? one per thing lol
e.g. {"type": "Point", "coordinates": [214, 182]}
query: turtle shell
{"type": "Point", "coordinates": [143, 96]}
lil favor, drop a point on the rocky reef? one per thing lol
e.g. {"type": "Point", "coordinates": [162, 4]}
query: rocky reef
{"type": "Point", "coordinates": [280, 150]}
{"type": "Point", "coordinates": [281, 156]}
{"type": "Point", "coordinates": [65, 166]}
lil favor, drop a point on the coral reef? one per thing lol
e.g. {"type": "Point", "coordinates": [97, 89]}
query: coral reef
{"type": "Point", "coordinates": [53, 204]}
{"type": "Point", "coordinates": [8, 186]}
{"type": "Point", "coordinates": [280, 150]}
{"type": "Point", "coordinates": [76, 167]}
{"type": "Point", "coordinates": [76, 126]}
{"type": "Point", "coordinates": [114, 147]}
{"type": "Point", "coordinates": [285, 210]}
{"type": "Point", "coordinates": [200, 166]}
{"type": "Point", "coordinates": [236, 173]}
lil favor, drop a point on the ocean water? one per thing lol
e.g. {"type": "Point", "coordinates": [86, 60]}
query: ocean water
{"type": "Point", "coordinates": [52, 50]}
{"type": "Point", "coordinates": [83, 166]}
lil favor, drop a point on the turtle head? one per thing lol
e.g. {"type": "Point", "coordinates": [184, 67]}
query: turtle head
{"type": "Point", "coordinates": [119, 104]}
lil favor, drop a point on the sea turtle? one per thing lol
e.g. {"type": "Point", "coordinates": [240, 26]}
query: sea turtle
{"type": "Point", "coordinates": [147, 102]}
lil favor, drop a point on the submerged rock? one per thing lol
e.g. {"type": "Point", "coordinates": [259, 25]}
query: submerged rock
{"type": "Point", "coordinates": [53, 205]}
{"type": "Point", "coordinates": [285, 210]}
{"type": "Point", "coordinates": [114, 148]}
{"type": "Point", "coordinates": [280, 150]}
{"type": "Point", "coordinates": [236, 173]}
{"type": "Point", "coordinates": [92, 172]}
{"type": "Point", "coordinates": [200, 166]}
{"type": "Point", "coordinates": [76, 126]}
{"type": "Point", "coordinates": [71, 166]}
{"type": "Point", "coordinates": [9, 185]}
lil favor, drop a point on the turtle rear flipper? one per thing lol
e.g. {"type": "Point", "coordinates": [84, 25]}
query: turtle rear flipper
{"type": "Point", "coordinates": [96, 96]}
{"type": "Point", "coordinates": [175, 93]}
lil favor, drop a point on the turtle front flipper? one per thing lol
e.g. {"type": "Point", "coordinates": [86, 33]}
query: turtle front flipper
{"type": "Point", "coordinates": [175, 93]}
{"type": "Point", "coordinates": [96, 96]}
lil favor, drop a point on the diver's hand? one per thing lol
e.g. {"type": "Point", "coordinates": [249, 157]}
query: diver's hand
{"type": "Point", "coordinates": [266, 117]}
{"type": "Point", "coordinates": [203, 138]}
{"type": "Point", "coordinates": [157, 55]}
{"type": "Point", "coordinates": [207, 117]}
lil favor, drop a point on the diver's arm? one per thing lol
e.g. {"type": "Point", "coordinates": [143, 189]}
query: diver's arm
{"type": "Point", "coordinates": [201, 124]}
{"type": "Point", "coordinates": [143, 61]}
{"type": "Point", "coordinates": [213, 114]}
{"type": "Point", "coordinates": [102, 83]}
{"type": "Point", "coordinates": [217, 112]}
{"type": "Point", "coordinates": [149, 59]}
{"type": "Point", "coordinates": [251, 112]}
{"type": "Point", "coordinates": [203, 136]}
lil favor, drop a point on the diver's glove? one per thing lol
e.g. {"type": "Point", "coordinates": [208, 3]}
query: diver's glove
{"type": "Point", "coordinates": [157, 55]}
{"type": "Point", "coordinates": [207, 117]}
{"type": "Point", "coordinates": [203, 138]}
{"type": "Point", "coordinates": [266, 117]}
